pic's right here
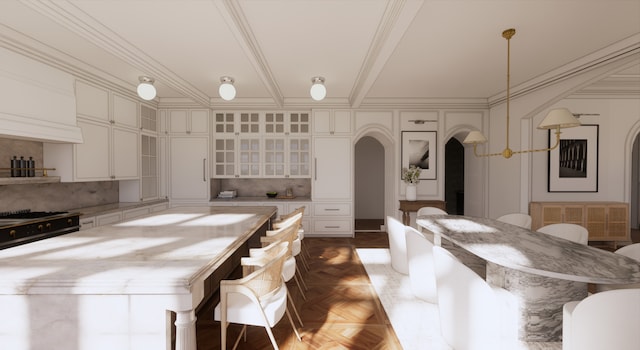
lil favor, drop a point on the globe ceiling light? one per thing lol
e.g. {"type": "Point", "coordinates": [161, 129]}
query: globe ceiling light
{"type": "Point", "coordinates": [227, 91]}
{"type": "Point", "coordinates": [146, 90]}
{"type": "Point", "coordinates": [318, 91]}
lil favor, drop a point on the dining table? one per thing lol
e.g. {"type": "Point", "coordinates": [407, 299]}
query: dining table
{"type": "Point", "coordinates": [542, 271]}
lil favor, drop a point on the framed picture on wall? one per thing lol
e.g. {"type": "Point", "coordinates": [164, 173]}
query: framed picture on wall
{"type": "Point", "coordinates": [573, 165]}
{"type": "Point", "coordinates": [419, 148]}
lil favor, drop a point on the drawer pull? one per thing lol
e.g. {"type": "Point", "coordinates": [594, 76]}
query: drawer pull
{"type": "Point", "coordinates": [331, 209]}
{"type": "Point", "coordinates": [332, 227]}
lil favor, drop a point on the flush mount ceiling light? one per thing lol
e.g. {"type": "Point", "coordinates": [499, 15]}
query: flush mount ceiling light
{"type": "Point", "coordinates": [227, 91]}
{"type": "Point", "coordinates": [146, 90]}
{"type": "Point", "coordinates": [318, 91]}
{"type": "Point", "coordinates": [556, 119]}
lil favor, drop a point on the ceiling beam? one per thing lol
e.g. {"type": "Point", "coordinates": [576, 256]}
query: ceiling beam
{"type": "Point", "coordinates": [394, 23]}
{"type": "Point", "coordinates": [237, 22]}
{"type": "Point", "coordinates": [87, 27]}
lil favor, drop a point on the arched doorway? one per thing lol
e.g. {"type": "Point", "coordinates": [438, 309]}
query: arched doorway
{"type": "Point", "coordinates": [369, 185]}
{"type": "Point", "coordinates": [454, 176]}
{"type": "Point", "coordinates": [635, 187]}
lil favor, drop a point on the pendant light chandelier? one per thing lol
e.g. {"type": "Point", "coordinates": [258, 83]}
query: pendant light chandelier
{"type": "Point", "coordinates": [556, 119]}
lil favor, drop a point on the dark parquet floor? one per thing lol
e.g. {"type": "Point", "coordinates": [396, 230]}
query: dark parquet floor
{"type": "Point", "coordinates": [342, 310]}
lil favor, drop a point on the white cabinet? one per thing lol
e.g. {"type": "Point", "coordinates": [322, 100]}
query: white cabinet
{"type": "Point", "coordinates": [188, 175]}
{"type": "Point", "coordinates": [271, 144]}
{"type": "Point", "coordinates": [332, 122]}
{"type": "Point", "coordinates": [125, 112]}
{"type": "Point", "coordinates": [332, 191]}
{"type": "Point", "coordinates": [237, 145]}
{"type": "Point", "coordinates": [108, 153]}
{"type": "Point", "coordinates": [92, 102]}
{"type": "Point", "coordinates": [192, 121]}
{"type": "Point", "coordinates": [332, 168]}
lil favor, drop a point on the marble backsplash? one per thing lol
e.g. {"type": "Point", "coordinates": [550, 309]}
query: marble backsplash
{"type": "Point", "coordinates": [58, 196]}
{"type": "Point", "coordinates": [259, 187]}
{"type": "Point", "coordinates": [48, 196]}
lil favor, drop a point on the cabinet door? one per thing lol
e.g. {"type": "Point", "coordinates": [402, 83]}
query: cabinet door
{"type": "Point", "coordinates": [299, 162]}
{"type": "Point", "coordinates": [332, 169]}
{"type": "Point", "coordinates": [188, 168]}
{"type": "Point", "coordinates": [92, 157]}
{"type": "Point", "coordinates": [322, 121]}
{"type": "Point", "coordinates": [92, 102]}
{"type": "Point", "coordinates": [149, 171]}
{"type": "Point", "coordinates": [125, 111]}
{"type": "Point", "coordinates": [618, 222]}
{"type": "Point", "coordinates": [125, 152]}
{"type": "Point", "coordinates": [178, 122]}
{"type": "Point", "coordinates": [274, 156]}
{"type": "Point", "coordinates": [342, 122]}
{"type": "Point", "coordinates": [249, 157]}
{"type": "Point", "coordinates": [199, 121]}
{"type": "Point", "coordinates": [225, 157]}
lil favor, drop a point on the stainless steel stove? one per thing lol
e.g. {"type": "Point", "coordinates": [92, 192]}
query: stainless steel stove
{"type": "Point", "coordinates": [26, 226]}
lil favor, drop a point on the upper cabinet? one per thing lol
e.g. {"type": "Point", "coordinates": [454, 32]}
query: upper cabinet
{"type": "Point", "coordinates": [111, 147]}
{"type": "Point", "coordinates": [125, 112]}
{"type": "Point", "coordinates": [187, 122]}
{"type": "Point", "coordinates": [92, 102]}
{"type": "Point", "coordinates": [332, 122]}
{"type": "Point", "coordinates": [148, 119]}
{"type": "Point", "coordinates": [259, 144]}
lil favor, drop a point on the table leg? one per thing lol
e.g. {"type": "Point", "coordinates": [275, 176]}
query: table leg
{"type": "Point", "coordinates": [540, 300]}
{"type": "Point", "coordinates": [406, 218]}
{"type": "Point", "coordinates": [185, 330]}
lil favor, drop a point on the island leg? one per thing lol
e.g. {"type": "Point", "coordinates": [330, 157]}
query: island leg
{"type": "Point", "coordinates": [185, 330]}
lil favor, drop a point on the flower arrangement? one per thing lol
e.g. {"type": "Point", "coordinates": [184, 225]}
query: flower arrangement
{"type": "Point", "coordinates": [411, 175]}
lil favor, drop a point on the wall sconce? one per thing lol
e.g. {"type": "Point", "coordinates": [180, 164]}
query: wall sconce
{"type": "Point", "coordinates": [146, 90]}
{"type": "Point", "coordinates": [227, 91]}
{"type": "Point", "coordinates": [556, 119]}
{"type": "Point", "coordinates": [318, 91]}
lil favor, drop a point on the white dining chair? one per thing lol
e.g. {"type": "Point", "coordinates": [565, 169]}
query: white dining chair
{"type": "Point", "coordinates": [397, 245]}
{"type": "Point", "coordinates": [473, 314]}
{"type": "Point", "coordinates": [430, 211]}
{"type": "Point", "coordinates": [631, 251]}
{"type": "Point", "coordinates": [257, 299]}
{"type": "Point", "coordinates": [518, 219]}
{"type": "Point", "coordinates": [572, 232]}
{"type": "Point", "coordinates": [607, 320]}
{"type": "Point", "coordinates": [421, 269]}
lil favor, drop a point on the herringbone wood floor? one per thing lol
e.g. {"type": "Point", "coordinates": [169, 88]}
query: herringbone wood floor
{"type": "Point", "coordinates": [342, 310]}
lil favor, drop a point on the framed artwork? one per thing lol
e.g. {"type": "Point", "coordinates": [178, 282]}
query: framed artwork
{"type": "Point", "coordinates": [573, 165]}
{"type": "Point", "coordinates": [419, 149]}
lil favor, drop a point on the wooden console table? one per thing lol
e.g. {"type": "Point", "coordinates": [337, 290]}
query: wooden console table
{"type": "Point", "coordinates": [406, 207]}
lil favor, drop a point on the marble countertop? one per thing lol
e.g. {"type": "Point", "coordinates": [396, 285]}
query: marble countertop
{"type": "Point", "coordinates": [113, 207]}
{"type": "Point", "coordinates": [160, 253]}
{"type": "Point", "coordinates": [262, 199]}
{"type": "Point", "coordinates": [533, 252]}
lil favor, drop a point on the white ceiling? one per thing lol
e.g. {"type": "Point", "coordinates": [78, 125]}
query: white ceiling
{"type": "Point", "coordinates": [409, 51]}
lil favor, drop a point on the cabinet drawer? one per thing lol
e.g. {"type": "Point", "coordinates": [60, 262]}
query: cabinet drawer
{"type": "Point", "coordinates": [332, 209]}
{"type": "Point", "coordinates": [108, 219]}
{"type": "Point", "coordinates": [331, 226]}
{"type": "Point", "coordinates": [159, 207]}
{"type": "Point", "coordinates": [134, 213]}
{"type": "Point", "coordinates": [87, 222]}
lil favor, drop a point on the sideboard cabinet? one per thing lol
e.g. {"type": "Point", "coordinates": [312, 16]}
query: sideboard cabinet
{"type": "Point", "coordinates": [605, 221]}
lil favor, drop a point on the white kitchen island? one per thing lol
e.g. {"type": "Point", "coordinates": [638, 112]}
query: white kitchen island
{"type": "Point", "coordinates": [116, 287]}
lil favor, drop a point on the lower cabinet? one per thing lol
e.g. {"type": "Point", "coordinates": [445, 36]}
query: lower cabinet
{"type": "Point", "coordinates": [605, 221]}
{"type": "Point", "coordinates": [332, 219]}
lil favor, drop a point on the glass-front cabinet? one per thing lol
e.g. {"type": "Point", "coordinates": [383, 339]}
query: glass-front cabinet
{"type": "Point", "coordinates": [262, 144]}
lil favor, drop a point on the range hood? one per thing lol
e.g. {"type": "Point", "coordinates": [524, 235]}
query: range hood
{"type": "Point", "coordinates": [37, 102]}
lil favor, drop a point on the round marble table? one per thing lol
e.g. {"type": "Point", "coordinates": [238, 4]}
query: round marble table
{"type": "Point", "coordinates": [543, 271]}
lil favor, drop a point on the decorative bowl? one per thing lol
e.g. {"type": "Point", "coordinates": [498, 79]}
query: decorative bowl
{"type": "Point", "coordinates": [272, 194]}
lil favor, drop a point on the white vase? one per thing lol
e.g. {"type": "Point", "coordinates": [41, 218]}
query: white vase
{"type": "Point", "coordinates": [412, 192]}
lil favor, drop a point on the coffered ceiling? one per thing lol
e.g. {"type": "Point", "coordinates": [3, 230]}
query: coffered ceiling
{"type": "Point", "coordinates": [371, 52]}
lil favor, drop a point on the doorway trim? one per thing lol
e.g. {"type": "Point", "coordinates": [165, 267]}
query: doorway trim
{"type": "Point", "coordinates": [387, 142]}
